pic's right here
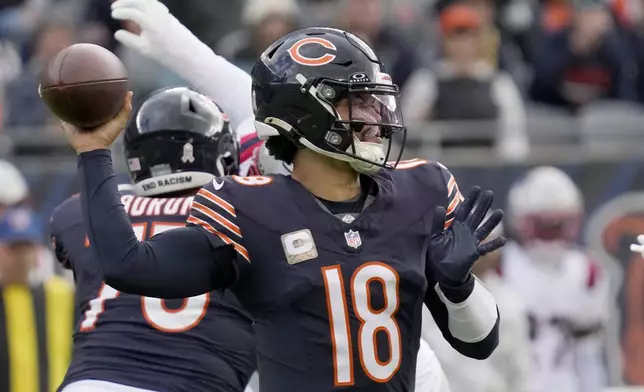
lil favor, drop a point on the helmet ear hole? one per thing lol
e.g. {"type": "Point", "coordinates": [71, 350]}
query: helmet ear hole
{"type": "Point", "coordinates": [272, 52]}
{"type": "Point", "coordinates": [229, 160]}
{"type": "Point", "coordinates": [191, 106]}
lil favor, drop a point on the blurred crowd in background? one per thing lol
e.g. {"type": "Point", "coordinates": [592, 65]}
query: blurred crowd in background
{"type": "Point", "coordinates": [515, 65]}
{"type": "Point", "coordinates": [489, 87]}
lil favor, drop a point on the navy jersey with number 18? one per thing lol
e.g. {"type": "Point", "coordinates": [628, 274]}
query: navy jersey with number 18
{"type": "Point", "coordinates": [336, 298]}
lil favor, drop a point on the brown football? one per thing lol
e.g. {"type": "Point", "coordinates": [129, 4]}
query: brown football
{"type": "Point", "coordinates": [84, 85]}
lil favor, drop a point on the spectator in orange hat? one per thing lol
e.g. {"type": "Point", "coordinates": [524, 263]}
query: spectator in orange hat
{"type": "Point", "coordinates": [465, 86]}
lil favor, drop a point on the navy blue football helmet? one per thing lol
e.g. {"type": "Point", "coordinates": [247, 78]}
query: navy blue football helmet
{"type": "Point", "coordinates": [302, 80]}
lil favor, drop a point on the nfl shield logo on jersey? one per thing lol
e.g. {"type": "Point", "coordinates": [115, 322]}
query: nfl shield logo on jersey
{"type": "Point", "coordinates": [353, 239]}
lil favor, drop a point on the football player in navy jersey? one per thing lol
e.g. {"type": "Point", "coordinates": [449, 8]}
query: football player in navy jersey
{"type": "Point", "coordinates": [178, 141]}
{"type": "Point", "coordinates": [333, 262]}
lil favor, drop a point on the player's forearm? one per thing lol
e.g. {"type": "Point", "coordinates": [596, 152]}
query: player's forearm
{"type": "Point", "coordinates": [179, 263]}
{"type": "Point", "coordinates": [471, 326]}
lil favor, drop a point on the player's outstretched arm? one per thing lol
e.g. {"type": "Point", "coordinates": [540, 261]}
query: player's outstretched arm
{"type": "Point", "coordinates": [175, 264]}
{"type": "Point", "coordinates": [164, 39]}
{"type": "Point", "coordinates": [464, 310]}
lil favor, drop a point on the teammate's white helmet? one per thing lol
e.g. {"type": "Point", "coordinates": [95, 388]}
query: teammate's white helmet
{"type": "Point", "coordinates": [545, 204]}
{"type": "Point", "coordinates": [545, 189]}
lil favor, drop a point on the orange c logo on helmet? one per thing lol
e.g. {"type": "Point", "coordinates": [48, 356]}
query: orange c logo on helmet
{"type": "Point", "coordinates": [294, 52]}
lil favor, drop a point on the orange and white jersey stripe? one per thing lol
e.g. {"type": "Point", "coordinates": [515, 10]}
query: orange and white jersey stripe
{"type": "Point", "coordinates": [217, 216]}
{"type": "Point", "coordinates": [454, 197]}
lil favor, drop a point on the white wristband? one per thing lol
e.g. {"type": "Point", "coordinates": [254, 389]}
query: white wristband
{"type": "Point", "coordinates": [472, 320]}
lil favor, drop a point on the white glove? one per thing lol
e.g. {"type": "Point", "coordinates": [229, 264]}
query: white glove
{"type": "Point", "coordinates": [638, 248]}
{"type": "Point", "coordinates": [159, 28]}
{"type": "Point", "coordinates": [164, 39]}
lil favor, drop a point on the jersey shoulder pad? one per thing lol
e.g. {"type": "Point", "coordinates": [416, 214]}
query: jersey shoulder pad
{"type": "Point", "coordinates": [423, 171]}
{"type": "Point", "coordinates": [217, 205]}
{"type": "Point", "coordinates": [407, 164]}
{"type": "Point", "coordinates": [237, 189]}
{"type": "Point", "coordinates": [450, 187]}
{"type": "Point", "coordinates": [430, 174]}
{"type": "Point", "coordinates": [433, 180]}
{"type": "Point", "coordinates": [213, 207]}
{"type": "Point", "coordinates": [227, 195]}
{"type": "Point", "coordinates": [230, 193]}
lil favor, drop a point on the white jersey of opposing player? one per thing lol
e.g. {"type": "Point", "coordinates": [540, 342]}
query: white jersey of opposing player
{"type": "Point", "coordinates": [562, 297]}
{"type": "Point", "coordinates": [248, 157]}
{"type": "Point", "coordinates": [260, 159]}
{"type": "Point", "coordinates": [429, 373]}
{"type": "Point", "coordinates": [511, 363]}
{"type": "Point", "coordinates": [463, 373]}
{"type": "Point", "coordinates": [508, 368]}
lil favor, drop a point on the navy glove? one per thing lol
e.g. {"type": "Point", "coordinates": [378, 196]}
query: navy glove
{"type": "Point", "coordinates": [453, 251]}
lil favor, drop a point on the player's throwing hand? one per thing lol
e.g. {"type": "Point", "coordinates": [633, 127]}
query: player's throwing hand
{"type": "Point", "coordinates": [103, 136]}
{"type": "Point", "coordinates": [454, 250]}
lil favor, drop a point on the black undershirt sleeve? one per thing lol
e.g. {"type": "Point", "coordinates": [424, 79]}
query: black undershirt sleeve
{"type": "Point", "coordinates": [477, 350]}
{"type": "Point", "coordinates": [178, 263]}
